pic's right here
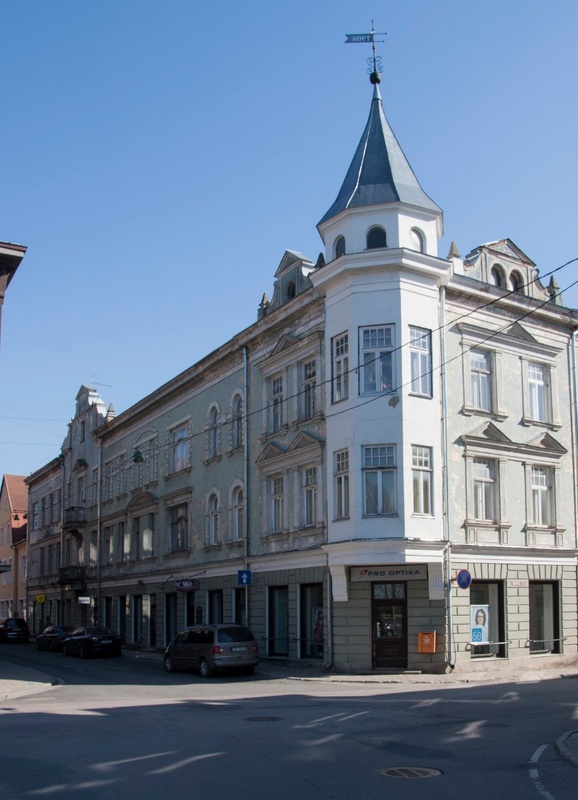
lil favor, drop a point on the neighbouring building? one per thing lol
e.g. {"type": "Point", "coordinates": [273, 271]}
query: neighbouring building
{"type": "Point", "coordinates": [379, 473]}
{"type": "Point", "coordinates": [13, 526]}
{"type": "Point", "coordinates": [10, 257]}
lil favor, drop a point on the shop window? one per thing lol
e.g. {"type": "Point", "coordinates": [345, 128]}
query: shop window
{"type": "Point", "coordinates": [487, 636]}
{"type": "Point", "coordinates": [544, 618]}
{"type": "Point", "coordinates": [312, 621]}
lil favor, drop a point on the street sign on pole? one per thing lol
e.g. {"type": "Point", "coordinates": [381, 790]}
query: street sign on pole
{"type": "Point", "coordinates": [244, 577]}
{"type": "Point", "coordinates": [464, 579]}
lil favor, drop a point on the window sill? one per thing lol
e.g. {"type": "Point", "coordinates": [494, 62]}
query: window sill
{"type": "Point", "coordinates": [471, 411]}
{"type": "Point", "coordinates": [207, 461]}
{"type": "Point", "coordinates": [212, 547]}
{"type": "Point", "coordinates": [341, 519]}
{"type": "Point", "coordinates": [539, 423]}
{"type": "Point", "coordinates": [175, 474]}
{"type": "Point", "coordinates": [231, 544]}
{"type": "Point", "coordinates": [421, 395]}
{"type": "Point", "coordinates": [177, 553]}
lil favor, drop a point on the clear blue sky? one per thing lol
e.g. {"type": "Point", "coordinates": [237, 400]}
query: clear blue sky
{"type": "Point", "coordinates": [157, 157]}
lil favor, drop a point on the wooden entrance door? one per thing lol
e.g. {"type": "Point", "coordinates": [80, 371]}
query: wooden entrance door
{"type": "Point", "coordinates": [389, 625]}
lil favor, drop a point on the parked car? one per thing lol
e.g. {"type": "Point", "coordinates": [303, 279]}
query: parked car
{"type": "Point", "coordinates": [211, 648]}
{"type": "Point", "coordinates": [86, 642]}
{"type": "Point", "coordinates": [52, 637]}
{"type": "Point", "coordinates": [14, 629]}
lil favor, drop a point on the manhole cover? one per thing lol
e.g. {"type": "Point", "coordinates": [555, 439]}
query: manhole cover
{"type": "Point", "coordinates": [262, 719]}
{"type": "Point", "coordinates": [410, 772]}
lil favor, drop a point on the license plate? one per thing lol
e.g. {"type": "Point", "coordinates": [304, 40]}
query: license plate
{"type": "Point", "coordinates": [106, 641]}
{"type": "Point", "coordinates": [238, 649]}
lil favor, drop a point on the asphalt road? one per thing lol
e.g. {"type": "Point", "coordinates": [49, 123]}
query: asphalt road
{"type": "Point", "coordinates": [125, 728]}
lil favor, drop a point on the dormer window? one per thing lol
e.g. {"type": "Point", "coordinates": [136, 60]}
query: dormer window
{"type": "Point", "coordinates": [376, 238]}
{"type": "Point", "coordinates": [290, 291]}
{"type": "Point", "coordinates": [339, 246]}
{"type": "Point", "coordinates": [497, 276]}
{"type": "Point", "coordinates": [516, 283]}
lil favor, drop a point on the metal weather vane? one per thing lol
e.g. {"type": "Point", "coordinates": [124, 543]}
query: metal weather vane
{"type": "Point", "coordinates": [374, 61]}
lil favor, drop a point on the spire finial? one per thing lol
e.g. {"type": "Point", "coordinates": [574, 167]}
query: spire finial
{"type": "Point", "coordinates": [374, 61]}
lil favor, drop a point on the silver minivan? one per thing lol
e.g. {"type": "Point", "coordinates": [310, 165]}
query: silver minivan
{"type": "Point", "coordinates": [212, 648]}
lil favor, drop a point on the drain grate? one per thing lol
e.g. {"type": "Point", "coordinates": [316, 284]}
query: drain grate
{"type": "Point", "coordinates": [410, 772]}
{"type": "Point", "coordinates": [262, 719]}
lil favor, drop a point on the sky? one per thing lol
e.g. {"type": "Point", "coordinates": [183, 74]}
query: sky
{"type": "Point", "coordinates": [157, 158]}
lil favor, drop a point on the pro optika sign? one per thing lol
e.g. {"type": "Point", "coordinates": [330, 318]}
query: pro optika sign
{"type": "Point", "coordinates": [395, 572]}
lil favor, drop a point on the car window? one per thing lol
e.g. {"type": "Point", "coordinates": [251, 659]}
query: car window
{"type": "Point", "coordinates": [207, 636]}
{"type": "Point", "coordinates": [235, 634]}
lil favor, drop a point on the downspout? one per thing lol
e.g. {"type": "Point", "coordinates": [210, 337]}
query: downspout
{"type": "Point", "coordinates": [246, 468]}
{"type": "Point", "coordinates": [446, 486]}
{"type": "Point", "coordinates": [574, 385]}
{"type": "Point", "coordinates": [98, 531]}
{"type": "Point", "coordinates": [328, 664]}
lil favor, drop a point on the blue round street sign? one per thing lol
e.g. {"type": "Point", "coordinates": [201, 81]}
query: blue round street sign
{"type": "Point", "coordinates": [464, 579]}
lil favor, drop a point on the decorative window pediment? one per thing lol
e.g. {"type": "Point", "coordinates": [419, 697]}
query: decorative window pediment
{"type": "Point", "coordinates": [305, 439]}
{"type": "Point", "coordinates": [546, 442]}
{"type": "Point", "coordinates": [488, 432]}
{"type": "Point", "coordinates": [270, 451]}
{"type": "Point", "coordinates": [141, 500]}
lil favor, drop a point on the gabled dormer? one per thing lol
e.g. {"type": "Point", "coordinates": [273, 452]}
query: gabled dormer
{"type": "Point", "coordinates": [381, 203]}
{"type": "Point", "coordinates": [504, 265]}
{"type": "Point", "coordinates": [291, 280]}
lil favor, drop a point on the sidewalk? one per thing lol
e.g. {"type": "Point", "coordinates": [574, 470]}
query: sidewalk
{"type": "Point", "coordinates": [17, 681]}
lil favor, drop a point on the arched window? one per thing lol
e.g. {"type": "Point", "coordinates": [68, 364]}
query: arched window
{"type": "Point", "coordinates": [497, 276]}
{"type": "Point", "coordinates": [237, 422]}
{"type": "Point", "coordinates": [376, 238]}
{"type": "Point", "coordinates": [290, 291]}
{"type": "Point", "coordinates": [237, 514]}
{"type": "Point", "coordinates": [213, 433]}
{"type": "Point", "coordinates": [339, 247]}
{"type": "Point", "coordinates": [213, 519]}
{"type": "Point", "coordinates": [516, 282]}
{"type": "Point", "coordinates": [417, 240]}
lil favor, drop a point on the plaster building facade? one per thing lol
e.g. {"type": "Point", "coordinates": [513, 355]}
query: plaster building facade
{"type": "Point", "coordinates": [379, 473]}
{"type": "Point", "coordinates": [13, 527]}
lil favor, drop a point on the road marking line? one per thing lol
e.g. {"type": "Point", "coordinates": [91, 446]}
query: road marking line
{"type": "Point", "coordinates": [535, 775]}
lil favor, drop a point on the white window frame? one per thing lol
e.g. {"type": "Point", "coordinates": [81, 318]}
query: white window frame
{"type": "Point", "coordinates": [422, 480]}
{"type": "Point", "coordinates": [420, 361]}
{"type": "Point", "coordinates": [310, 477]}
{"type": "Point", "coordinates": [376, 363]}
{"type": "Point", "coordinates": [542, 496]}
{"type": "Point", "coordinates": [213, 429]}
{"type": "Point", "coordinates": [341, 461]}
{"type": "Point", "coordinates": [237, 513]}
{"type": "Point", "coordinates": [481, 379]}
{"type": "Point", "coordinates": [485, 489]}
{"type": "Point", "coordinates": [309, 389]}
{"type": "Point", "coordinates": [277, 413]}
{"type": "Point", "coordinates": [340, 367]}
{"type": "Point", "coordinates": [213, 518]}
{"type": "Point", "coordinates": [179, 437]}
{"type": "Point", "coordinates": [277, 483]}
{"type": "Point", "coordinates": [178, 526]}
{"type": "Point", "coordinates": [237, 422]}
{"type": "Point", "coordinates": [379, 464]}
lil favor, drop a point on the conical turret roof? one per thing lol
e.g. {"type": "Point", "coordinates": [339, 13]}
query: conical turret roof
{"type": "Point", "coordinates": [380, 172]}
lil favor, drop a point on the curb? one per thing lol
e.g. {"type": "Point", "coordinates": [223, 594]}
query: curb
{"type": "Point", "coordinates": [563, 748]}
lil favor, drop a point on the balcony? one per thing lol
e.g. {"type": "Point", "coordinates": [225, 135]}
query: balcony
{"type": "Point", "coordinates": [74, 519]}
{"type": "Point", "coordinates": [72, 578]}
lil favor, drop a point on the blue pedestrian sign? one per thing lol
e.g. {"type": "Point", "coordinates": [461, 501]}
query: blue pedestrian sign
{"type": "Point", "coordinates": [464, 579]}
{"type": "Point", "coordinates": [244, 577]}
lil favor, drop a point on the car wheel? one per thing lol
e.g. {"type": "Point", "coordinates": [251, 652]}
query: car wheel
{"type": "Point", "coordinates": [205, 669]}
{"type": "Point", "coordinates": [52, 647]}
{"type": "Point", "coordinates": [65, 650]}
{"type": "Point", "coordinates": [82, 652]}
{"type": "Point", "coordinates": [170, 664]}
{"type": "Point", "coordinates": [37, 645]}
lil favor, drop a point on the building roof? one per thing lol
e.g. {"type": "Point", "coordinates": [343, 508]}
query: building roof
{"type": "Point", "coordinates": [380, 172]}
{"type": "Point", "coordinates": [17, 492]}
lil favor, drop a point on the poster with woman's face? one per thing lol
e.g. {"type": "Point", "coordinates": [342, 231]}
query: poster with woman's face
{"type": "Point", "coordinates": [480, 622]}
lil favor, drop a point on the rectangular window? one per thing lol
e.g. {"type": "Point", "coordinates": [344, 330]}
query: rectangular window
{"type": "Point", "coordinates": [544, 618]}
{"type": "Point", "coordinates": [124, 542]}
{"type": "Point", "coordinates": [484, 474]}
{"type": "Point", "coordinates": [481, 379]}
{"type": "Point", "coordinates": [310, 495]}
{"type": "Point", "coordinates": [108, 545]}
{"type": "Point", "coordinates": [276, 404]}
{"type": "Point", "coordinates": [277, 502]}
{"type": "Point", "coordinates": [143, 534]}
{"type": "Point", "coordinates": [179, 527]}
{"type": "Point", "coordinates": [35, 516]}
{"type": "Point", "coordinates": [421, 461]}
{"type": "Point", "coordinates": [340, 362]}
{"type": "Point", "coordinates": [107, 482]}
{"type": "Point", "coordinates": [376, 359]}
{"type": "Point", "coordinates": [379, 480]}
{"type": "Point", "coordinates": [179, 449]}
{"type": "Point", "coordinates": [93, 555]}
{"type": "Point", "coordinates": [541, 496]}
{"type": "Point", "coordinates": [537, 385]}
{"type": "Point", "coordinates": [278, 621]}
{"type": "Point", "coordinates": [309, 388]}
{"type": "Point", "coordinates": [342, 484]}
{"type": "Point", "coordinates": [420, 358]}
{"type": "Point", "coordinates": [487, 619]}
{"type": "Point", "coordinates": [312, 627]}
